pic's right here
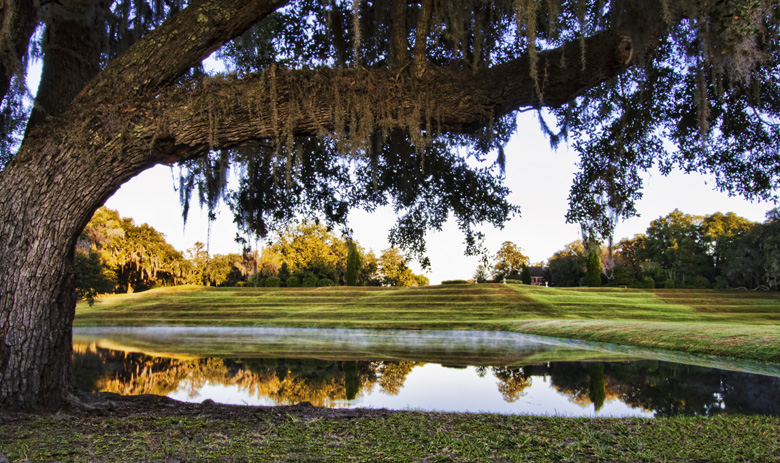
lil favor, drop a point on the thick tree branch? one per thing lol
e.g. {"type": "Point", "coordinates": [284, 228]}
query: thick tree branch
{"type": "Point", "coordinates": [180, 43]}
{"type": "Point", "coordinates": [399, 45]}
{"type": "Point", "coordinates": [71, 55]}
{"type": "Point", "coordinates": [224, 113]}
{"type": "Point", "coordinates": [421, 36]}
{"type": "Point", "coordinates": [18, 19]}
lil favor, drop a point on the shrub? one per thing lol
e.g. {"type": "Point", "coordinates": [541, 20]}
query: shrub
{"type": "Point", "coordinates": [273, 282]}
{"type": "Point", "coordinates": [593, 272]}
{"type": "Point", "coordinates": [353, 264]}
{"type": "Point", "coordinates": [622, 276]}
{"type": "Point", "coordinates": [240, 284]}
{"type": "Point", "coordinates": [258, 282]}
{"type": "Point", "coordinates": [525, 275]}
{"type": "Point", "coordinates": [309, 282]}
{"type": "Point", "coordinates": [647, 282]}
{"type": "Point", "coordinates": [669, 284]}
{"type": "Point", "coordinates": [325, 282]}
{"type": "Point", "coordinates": [293, 282]}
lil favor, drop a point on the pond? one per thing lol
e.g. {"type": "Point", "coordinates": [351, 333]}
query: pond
{"type": "Point", "coordinates": [465, 371]}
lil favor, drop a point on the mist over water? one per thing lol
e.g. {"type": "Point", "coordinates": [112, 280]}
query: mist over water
{"type": "Point", "coordinates": [466, 371]}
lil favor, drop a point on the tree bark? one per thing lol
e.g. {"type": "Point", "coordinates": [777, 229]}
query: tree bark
{"type": "Point", "coordinates": [71, 47]}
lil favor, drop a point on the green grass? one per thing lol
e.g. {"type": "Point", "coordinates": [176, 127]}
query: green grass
{"type": "Point", "coordinates": [293, 434]}
{"type": "Point", "coordinates": [736, 324]}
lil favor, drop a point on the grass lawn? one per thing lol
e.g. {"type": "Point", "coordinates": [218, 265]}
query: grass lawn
{"type": "Point", "coordinates": [228, 433]}
{"type": "Point", "coordinates": [734, 324]}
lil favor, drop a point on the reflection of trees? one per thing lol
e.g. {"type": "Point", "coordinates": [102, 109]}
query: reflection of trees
{"type": "Point", "coordinates": [393, 375]}
{"type": "Point", "coordinates": [667, 388]}
{"type": "Point", "coordinates": [511, 382]}
{"type": "Point", "coordinates": [284, 381]}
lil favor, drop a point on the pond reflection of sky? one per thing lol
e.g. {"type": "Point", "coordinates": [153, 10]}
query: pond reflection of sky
{"type": "Point", "coordinates": [441, 371]}
{"type": "Point", "coordinates": [434, 387]}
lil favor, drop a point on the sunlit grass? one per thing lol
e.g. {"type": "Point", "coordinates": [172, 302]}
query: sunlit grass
{"type": "Point", "coordinates": [725, 323]}
{"type": "Point", "coordinates": [291, 434]}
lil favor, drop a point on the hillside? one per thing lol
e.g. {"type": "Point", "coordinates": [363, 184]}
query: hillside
{"type": "Point", "coordinates": [724, 323]}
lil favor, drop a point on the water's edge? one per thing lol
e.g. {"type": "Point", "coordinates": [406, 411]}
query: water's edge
{"type": "Point", "coordinates": [388, 344]}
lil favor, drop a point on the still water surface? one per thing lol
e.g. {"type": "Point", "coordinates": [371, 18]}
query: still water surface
{"type": "Point", "coordinates": [426, 370]}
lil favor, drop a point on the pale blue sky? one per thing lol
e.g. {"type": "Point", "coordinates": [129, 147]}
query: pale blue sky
{"type": "Point", "coordinates": [538, 177]}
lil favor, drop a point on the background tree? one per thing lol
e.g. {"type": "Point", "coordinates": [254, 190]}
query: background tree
{"type": "Point", "coordinates": [369, 270]}
{"type": "Point", "coordinates": [353, 264]}
{"type": "Point", "coordinates": [567, 266]}
{"type": "Point", "coordinates": [509, 261]}
{"type": "Point", "coordinates": [312, 247]}
{"type": "Point", "coordinates": [481, 274]}
{"type": "Point", "coordinates": [626, 255]}
{"type": "Point", "coordinates": [92, 276]}
{"type": "Point", "coordinates": [393, 269]}
{"type": "Point", "coordinates": [719, 232]}
{"type": "Point", "coordinates": [198, 257]}
{"type": "Point", "coordinates": [753, 259]}
{"type": "Point", "coordinates": [593, 264]}
{"type": "Point", "coordinates": [674, 243]}
{"type": "Point", "coordinates": [223, 270]}
{"type": "Point", "coordinates": [137, 256]}
{"type": "Point", "coordinates": [343, 104]}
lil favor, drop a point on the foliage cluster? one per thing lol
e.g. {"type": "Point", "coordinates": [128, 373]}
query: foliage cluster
{"type": "Point", "coordinates": [682, 251]}
{"type": "Point", "coordinates": [115, 255]}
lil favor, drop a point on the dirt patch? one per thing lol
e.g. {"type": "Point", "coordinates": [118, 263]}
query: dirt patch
{"type": "Point", "coordinates": [148, 405]}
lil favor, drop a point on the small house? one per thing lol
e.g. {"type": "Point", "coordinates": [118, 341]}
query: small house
{"type": "Point", "coordinates": [537, 275]}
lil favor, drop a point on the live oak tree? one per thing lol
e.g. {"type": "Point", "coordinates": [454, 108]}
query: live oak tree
{"type": "Point", "coordinates": [510, 261]}
{"type": "Point", "coordinates": [337, 104]}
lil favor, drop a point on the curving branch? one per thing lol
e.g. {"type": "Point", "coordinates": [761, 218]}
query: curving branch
{"type": "Point", "coordinates": [228, 112]}
{"type": "Point", "coordinates": [180, 43]}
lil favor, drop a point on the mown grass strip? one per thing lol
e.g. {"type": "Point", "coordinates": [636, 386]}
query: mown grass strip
{"type": "Point", "coordinates": [289, 434]}
{"type": "Point", "coordinates": [724, 323]}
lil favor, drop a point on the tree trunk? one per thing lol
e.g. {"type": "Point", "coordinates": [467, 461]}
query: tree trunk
{"type": "Point", "coordinates": [48, 201]}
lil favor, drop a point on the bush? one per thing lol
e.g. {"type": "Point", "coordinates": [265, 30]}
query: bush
{"type": "Point", "coordinates": [293, 282]}
{"type": "Point", "coordinates": [456, 282]}
{"type": "Point", "coordinates": [622, 276]}
{"type": "Point", "coordinates": [273, 282]}
{"type": "Point", "coordinates": [669, 284]}
{"type": "Point", "coordinates": [258, 282]}
{"type": "Point", "coordinates": [647, 282]}
{"type": "Point", "coordinates": [240, 284]}
{"type": "Point", "coordinates": [309, 282]}
{"type": "Point", "coordinates": [525, 275]}
{"type": "Point", "coordinates": [325, 282]}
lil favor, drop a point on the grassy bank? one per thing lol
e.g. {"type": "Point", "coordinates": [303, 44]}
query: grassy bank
{"type": "Point", "coordinates": [224, 433]}
{"type": "Point", "coordinates": [734, 324]}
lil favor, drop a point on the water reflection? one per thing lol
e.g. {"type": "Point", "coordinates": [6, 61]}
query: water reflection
{"type": "Point", "coordinates": [581, 388]}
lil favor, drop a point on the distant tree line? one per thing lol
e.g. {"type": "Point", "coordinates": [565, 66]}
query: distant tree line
{"type": "Point", "coordinates": [116, 255]}
{"type": "Point", "coordinates": [680, 251]}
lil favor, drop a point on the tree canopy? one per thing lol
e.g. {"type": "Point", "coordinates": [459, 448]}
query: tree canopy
{"type": "Point", "coordinates": [335, 104]}
{"type": "Point", "coordinates": [402, 89]}
{"type": "Point", "coordinates": [681, 250]}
